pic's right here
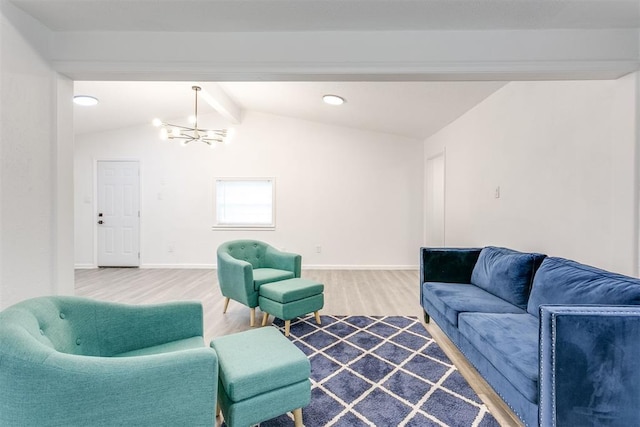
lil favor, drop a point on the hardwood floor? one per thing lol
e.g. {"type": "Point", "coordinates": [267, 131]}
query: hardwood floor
{"type": "Point", "coordinates": [347, 292]}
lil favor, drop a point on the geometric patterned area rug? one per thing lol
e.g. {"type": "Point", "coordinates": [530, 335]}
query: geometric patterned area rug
{"type": "Point", "coordinates": [380, 371]}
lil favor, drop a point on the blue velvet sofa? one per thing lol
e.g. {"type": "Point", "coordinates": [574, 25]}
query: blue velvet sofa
{"type": "Point", "coordinates": [68, 361]}
{"type": "Point", "coordinates": [559, 341]}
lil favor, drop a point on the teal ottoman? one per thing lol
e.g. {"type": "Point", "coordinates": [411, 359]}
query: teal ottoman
{"type": "Point", "coordinates": [290, 298]}
{"type": "Point", "coordinates": [261, 375]}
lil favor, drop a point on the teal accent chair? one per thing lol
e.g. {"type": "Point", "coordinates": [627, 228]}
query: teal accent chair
{"type": "Point", "coordinates": [245, 265]}
{"type": "Point", "coordinates": [78, 362]}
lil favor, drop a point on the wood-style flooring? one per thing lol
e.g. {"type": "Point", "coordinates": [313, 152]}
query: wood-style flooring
{"type": "Point", "coordinates": [347, 292]}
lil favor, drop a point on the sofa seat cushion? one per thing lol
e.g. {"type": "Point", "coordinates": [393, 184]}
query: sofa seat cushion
{"type": "Point", "coordinates": [562, 282]}
{"type": "Point", "coordinates": [268, 275]}
{"type": "Point", "coordinates": [510, 344]}
{"type": "Point", "coordinates": [451, 299]}
{"type": "Point", "coordinates": [506, 273]}
{"type": "Point", "coordinates": [178, 345]}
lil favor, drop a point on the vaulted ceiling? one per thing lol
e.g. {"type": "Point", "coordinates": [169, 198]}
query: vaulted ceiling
{"type": "Point", "coordinates": [410, 109]}
{"type": "Point", "coordinates": [328, 46]}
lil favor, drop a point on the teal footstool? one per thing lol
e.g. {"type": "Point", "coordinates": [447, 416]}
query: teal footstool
{"type": "Point", "coordinates": [261, 375]}
{"type": "Point", "coordinates": [287, 299]}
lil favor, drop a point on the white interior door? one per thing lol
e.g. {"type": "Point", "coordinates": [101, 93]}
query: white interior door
{"type": "Point", "coordinates": [434, 233]}
{"type": "Point", "coordinates": [118, 215]}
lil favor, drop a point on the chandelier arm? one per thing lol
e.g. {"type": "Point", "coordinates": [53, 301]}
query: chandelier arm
{"type": "Point", "coordinates": [194, 133]}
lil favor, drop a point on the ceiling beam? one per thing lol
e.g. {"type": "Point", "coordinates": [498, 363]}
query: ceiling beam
{"type": "Point", "coordinates": [218, 99]}
{"type": "Point", "coordinates": [402, 55]}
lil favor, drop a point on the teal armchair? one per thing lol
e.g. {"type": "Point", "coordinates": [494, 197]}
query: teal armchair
{"type": "Point", "coordinates": [74, 361]}
{"type": "Point", "coordinates": [245, 265]}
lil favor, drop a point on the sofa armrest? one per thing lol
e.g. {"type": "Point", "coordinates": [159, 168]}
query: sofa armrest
{"type": "Point", "coordinates": [176, 388]}
{"type": "Point", "coordinates": [448, 265]}
{"type": "Point", "coordinates": [235, 277]}
{"type": "Point", "coordinates": [588, 365]}
{"type": "Point", "coordinates": [284, 260]}
{"type": "Point", "coordinates": [121, 328]}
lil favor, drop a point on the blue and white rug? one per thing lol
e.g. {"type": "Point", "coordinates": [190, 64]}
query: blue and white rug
{"type": "Point", "coordinates": [381, 371]}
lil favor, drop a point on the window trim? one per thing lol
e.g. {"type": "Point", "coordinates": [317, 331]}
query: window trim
{"type": "Point", "coordinates": [240, 227]}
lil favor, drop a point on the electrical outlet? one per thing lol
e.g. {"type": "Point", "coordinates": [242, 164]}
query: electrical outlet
{"type": "Point", "coordinates": [318, 249]}
{"type": "Point", "coordinates": [497, 192]}
{"type": "Point", "coordinates": [170, 248]}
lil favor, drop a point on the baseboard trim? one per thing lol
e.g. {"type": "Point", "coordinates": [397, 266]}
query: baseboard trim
{"type": "Point", "coordinates": [304, 267]}
{"type": "Point", "coordinates": [360, 267]}
{"type": "Point", "coordinates": [177, 266]}
{"type": "Point", "coordinates": [84, 266]}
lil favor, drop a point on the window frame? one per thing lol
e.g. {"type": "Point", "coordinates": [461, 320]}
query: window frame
{"type": "Point", "coordinates": [248, 226]}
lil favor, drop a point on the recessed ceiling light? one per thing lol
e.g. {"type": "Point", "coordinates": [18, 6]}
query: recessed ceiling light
{"type": "Point", "coordinates": [85, 100]}
{"type": "Point", "coordinates": [333, 99]}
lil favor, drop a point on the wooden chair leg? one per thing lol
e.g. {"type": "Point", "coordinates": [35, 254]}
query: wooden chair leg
{"type": "Point", "coordinates": [253, 317]}
{"type": "Point", "coordinates": [297, 417]}
{"type": "Point", "coordinates": [287, 326]}
{"type": "Point", "coordinates": [317, 313]}
{"type": "Point", "coordinates": [265, 317]}
{"type": "Point", "coordinates": [226, 305]}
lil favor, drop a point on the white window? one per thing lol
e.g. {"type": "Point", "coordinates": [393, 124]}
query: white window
{"type": "Point", "coordinates": [245, 203]}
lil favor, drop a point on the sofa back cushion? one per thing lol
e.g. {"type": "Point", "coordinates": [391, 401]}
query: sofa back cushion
{"type": "Point", "coordinates": [506, 273]}
{"type": "Point", "coordinates": [562, 281]}
{"type": "Point", "coordinates": [252, 251]}
{"type": "Point", "coordinates": [35, 327]}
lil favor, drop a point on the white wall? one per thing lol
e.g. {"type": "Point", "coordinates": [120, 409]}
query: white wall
{"type": "Point", "coordinates": [564, 157]}
{"type": "Point", "coordinates": [36, 147]}
{"type": "Point", "coordinates": [357, 194]}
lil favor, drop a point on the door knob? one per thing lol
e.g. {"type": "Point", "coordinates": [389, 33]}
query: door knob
{"type": "Point", "coordinates": [101, 222]}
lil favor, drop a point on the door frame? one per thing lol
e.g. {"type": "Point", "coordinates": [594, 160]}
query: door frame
{"type": "Point", "coordinates": [427, 195]}
{"type": "Point", "coordinates": [95, 203]}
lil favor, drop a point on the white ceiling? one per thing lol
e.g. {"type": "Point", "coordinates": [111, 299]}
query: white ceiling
{"type": "Point", "coordinates": [124, 104]}
{"type": "Point", "coordinates": [329, 15]}
{"type": "Point", "coordinates": [410, 109]}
